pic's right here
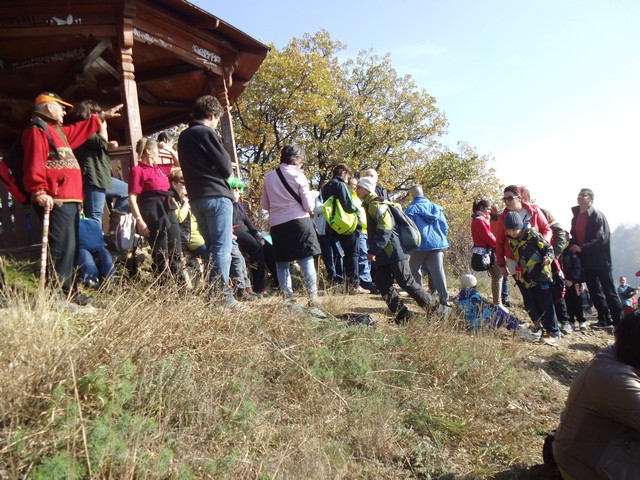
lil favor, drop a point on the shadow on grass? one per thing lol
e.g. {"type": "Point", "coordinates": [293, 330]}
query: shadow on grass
{"type": "Point", "coordinates": [536, 472]}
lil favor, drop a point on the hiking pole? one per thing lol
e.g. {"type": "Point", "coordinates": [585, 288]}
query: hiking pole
{"type": "Point", "coordinates": [45, 244]}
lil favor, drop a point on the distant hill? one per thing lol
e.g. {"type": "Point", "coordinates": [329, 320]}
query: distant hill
{"type": "Point", "coordinates": [625, 253]}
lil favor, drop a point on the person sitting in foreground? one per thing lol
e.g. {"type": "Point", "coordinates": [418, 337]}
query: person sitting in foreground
{"type": "Point", "coordinates": [93, 259]}
{"type": "Point", "coordinates": [599, 432]}
{"type": "Point", "coordinates": [478, 312]}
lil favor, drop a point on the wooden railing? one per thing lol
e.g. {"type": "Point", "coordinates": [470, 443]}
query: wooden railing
{"type": "Point", "coordinates": [20, 226]}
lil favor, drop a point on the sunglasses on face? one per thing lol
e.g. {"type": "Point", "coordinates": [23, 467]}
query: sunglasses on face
{"type": "Point", "coordinates": [510, 198]}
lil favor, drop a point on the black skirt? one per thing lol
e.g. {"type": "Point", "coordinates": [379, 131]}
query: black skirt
{"type": "Point", "coordinates": [294, 240]}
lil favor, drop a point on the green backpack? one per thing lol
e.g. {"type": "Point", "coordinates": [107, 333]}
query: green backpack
{"type": "Point", "coordinates": [340, 221]}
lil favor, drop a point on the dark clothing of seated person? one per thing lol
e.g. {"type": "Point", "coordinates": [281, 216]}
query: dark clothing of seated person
{"type": "Point", "coordinates": [599, 432]}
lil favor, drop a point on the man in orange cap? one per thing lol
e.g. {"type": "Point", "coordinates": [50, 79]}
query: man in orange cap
{"type": "Point", "coordinates": [53, 178]}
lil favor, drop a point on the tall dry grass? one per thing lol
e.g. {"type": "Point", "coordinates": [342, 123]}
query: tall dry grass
{"type": "Point", "coordinates": [157, 384]}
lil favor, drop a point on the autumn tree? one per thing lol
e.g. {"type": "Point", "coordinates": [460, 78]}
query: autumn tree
{"type": "Point", "coordinates": [358, 111]}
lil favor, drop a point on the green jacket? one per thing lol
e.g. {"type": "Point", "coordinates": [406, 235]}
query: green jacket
{"type": "Point", "coordinates": [529, 250]}
{"type": "Point", "coordinates": [384, 242]}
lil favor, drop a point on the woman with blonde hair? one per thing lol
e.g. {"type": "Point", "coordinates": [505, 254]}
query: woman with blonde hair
{"type": "Point", "coordinates": [153, 209]}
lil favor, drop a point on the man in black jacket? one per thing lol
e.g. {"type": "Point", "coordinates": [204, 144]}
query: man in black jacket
{"type": "Point", "coordinates": [591, 240]}
{"type": "Point", "coordinates": [350, 242]}
{"type": "Point", "coordinates": [206, 166]}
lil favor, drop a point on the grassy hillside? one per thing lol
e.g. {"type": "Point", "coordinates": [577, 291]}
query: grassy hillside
{"type": "Point", "coordinates": [157, 384]}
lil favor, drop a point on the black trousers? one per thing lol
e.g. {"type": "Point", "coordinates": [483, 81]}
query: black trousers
{"type": "Point", "coordinates": [63, 244]}
{"type": "Point", "coordinates": [250, 246]}
{"type": "Point", "coordinates": [575, 308]}
{"type": "Point", "coordinates": [383, 277]}
{"type": "Point", "coordinates": [603, 295]}
{"type": "Point", "coordinates": [164, 234]}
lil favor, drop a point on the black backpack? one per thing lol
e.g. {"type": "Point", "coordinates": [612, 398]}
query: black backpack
{"type": "Point", "coordinates": [12, 164]}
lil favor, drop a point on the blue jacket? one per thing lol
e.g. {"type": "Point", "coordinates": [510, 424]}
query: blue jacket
{"type": "Point", "coordinates": [429, 218]}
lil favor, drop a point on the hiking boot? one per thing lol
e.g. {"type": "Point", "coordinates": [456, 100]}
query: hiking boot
{"type": "Point", "coordinates": [602, 326]}
{"type": "Point", "coordinates": [566, 328]}
{"type": "Point", "coordinates": [244, 295]}
{"type": "Point", "coordinates": [583, 326]}
{"type": "Point", "coordinates": [80, 299]}
{"type": "Point", "coordinates": [404, 316]}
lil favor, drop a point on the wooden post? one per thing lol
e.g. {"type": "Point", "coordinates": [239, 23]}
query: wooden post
{"type": "Point", "coordinates": [131, 115]}
{"type": "Point", "coordinates": [226, 123]}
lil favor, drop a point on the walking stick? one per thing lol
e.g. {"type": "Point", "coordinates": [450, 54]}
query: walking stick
{"type": "Point", "coordinates": [45, 244]}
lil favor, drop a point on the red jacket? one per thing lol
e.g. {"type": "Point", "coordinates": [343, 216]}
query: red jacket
{"type": "Point", "coordinates": [536, 220]}
{"type": "Point", "coordinates": [481, 231]}
{"type": "Point", "coordinates": [59, 176]}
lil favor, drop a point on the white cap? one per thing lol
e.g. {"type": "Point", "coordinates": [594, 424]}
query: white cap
{"type": "Point", "coordinates": [468, 281]}
{"type": "Point", "coordinates": [368, 183]}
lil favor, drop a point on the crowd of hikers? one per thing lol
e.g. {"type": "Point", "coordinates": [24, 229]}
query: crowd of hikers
{"type": "Point", "coordinates": [186, 200]}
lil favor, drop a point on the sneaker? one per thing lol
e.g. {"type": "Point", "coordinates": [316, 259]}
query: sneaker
{"type": "Point", "coordinates": [444, 310]}
{"type": "Point", "coordinates": [566, 328]}
{"type": "Point", "coordinates": [526, 335]}
{"type": "Point", "coordinates": [583, 326]}
{"type": "Point", "coordinates": [548, 339]}
{"type": "Point", "coordinates": [360, 291]}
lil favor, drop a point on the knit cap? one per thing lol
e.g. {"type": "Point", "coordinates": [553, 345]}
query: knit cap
{"type": "Point", "coordinates": [468, 281]}
{"type": "Point", "coordinates": [368, 183]}
{"type": "Point", "coordinates": [513, 221]}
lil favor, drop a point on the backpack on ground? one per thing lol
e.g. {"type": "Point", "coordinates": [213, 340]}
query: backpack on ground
{"type": "Point", "coordinates": [408, 231]}
{"type": "Point", "coordinates": [340, 221]}
{"type": "Point", "coordinates": [125, 238]}
{"type": "Point", "coordinates": [12, 164]}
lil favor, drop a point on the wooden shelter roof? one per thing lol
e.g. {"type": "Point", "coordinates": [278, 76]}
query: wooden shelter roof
{"type": "Point", "coordinates": [81, 49]}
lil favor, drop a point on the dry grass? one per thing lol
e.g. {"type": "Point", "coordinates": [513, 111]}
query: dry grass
{"type": "Point", "coordinates": [158, 385]}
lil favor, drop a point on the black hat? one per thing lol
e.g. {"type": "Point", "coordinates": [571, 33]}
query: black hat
{"type": "Point", "coordinates": [513, 221]}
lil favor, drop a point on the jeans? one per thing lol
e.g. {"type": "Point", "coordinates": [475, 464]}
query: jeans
{"type": "Point", "coordinates": [95, 198]}
{"type": "Point", "coordinates": [364, 265]}
{"type": "Point", "coordinates": [332, 257]}
{"type": "Point", "coordinates": [215, 221]}
{"type": "Point", "coordinates": [308, 272]}
{"type": "Point", "coordinates": [505, 289]}
{"type": "Point", "coordinates": [94, 266]}
{"type": "Point", "coordinates": [238, 269]}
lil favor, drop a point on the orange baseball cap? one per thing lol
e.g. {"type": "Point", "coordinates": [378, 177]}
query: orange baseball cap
{"type": "Point", "coordinates": [46, 97]}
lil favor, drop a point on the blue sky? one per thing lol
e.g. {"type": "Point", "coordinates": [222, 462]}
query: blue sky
{"type": "Point", "coordinates": [550, 88]}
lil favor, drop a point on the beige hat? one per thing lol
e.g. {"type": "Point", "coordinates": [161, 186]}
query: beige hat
{"type": "Point", "coordinates": [368, 183]}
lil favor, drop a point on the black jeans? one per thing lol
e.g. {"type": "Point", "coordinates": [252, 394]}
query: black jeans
{"type": "Point", "coordinates": [383, 277]}
{"type": "Point", "coordinates": [63, 244]}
